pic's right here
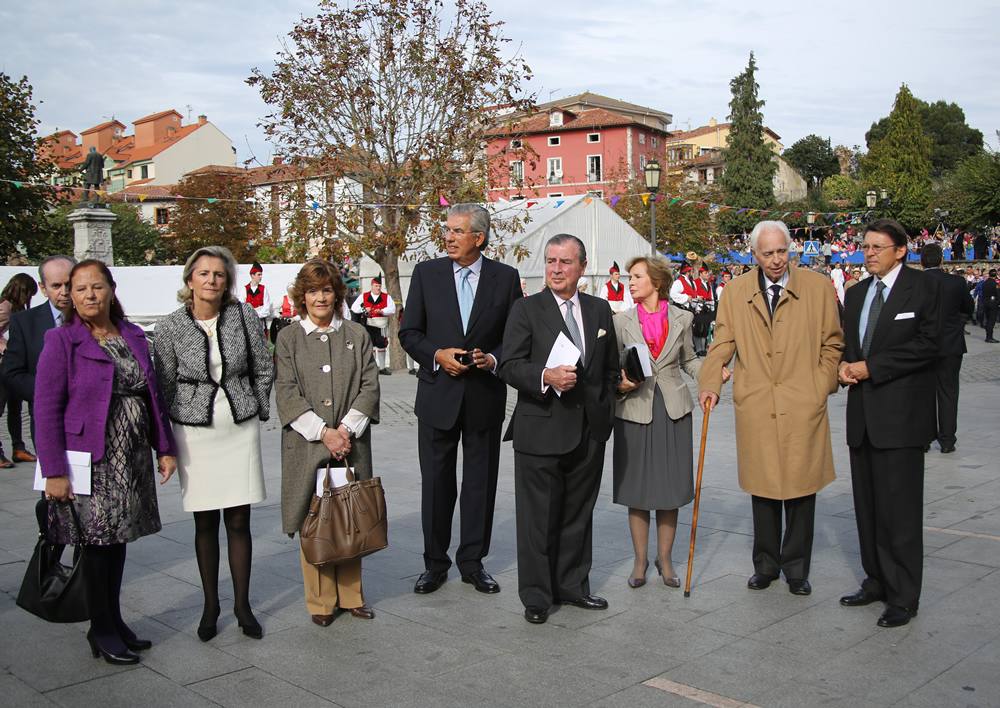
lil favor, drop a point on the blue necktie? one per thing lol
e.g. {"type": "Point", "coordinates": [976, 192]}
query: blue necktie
{"type": "Point", "coordinates": [465, 297]}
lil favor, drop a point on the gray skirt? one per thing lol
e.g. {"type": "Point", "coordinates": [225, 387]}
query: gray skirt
{"type": "Point", "coordinates": [653, 462]}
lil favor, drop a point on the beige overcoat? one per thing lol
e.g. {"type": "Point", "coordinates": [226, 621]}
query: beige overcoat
{"type": "Point", "coordinates": [783, 373]}
{"type": "Point", "coordinates": [350, 380]}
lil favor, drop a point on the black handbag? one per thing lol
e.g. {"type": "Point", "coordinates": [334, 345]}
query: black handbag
{"type": "Point", "coordinates": [632, 365]}
{"type": "Point", "coordinates": [51, 590]}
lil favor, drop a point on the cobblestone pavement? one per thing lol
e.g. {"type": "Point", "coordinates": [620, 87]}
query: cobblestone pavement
{"type": "Point", "coordinates": [723, 646]}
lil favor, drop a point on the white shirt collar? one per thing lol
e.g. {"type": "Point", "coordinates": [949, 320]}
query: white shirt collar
{"type": "Point", "coordinates": [890, 278]}
{"type": "Point", "coordinates": [474, 267]}
{"type": "Point", "coordinates": [309, 326]}
{"type": "Point", "coordinates": [575, 299]}
{"type": "Point", "coordinates": [57, 315]}
{"type": "Point", "coordinates": [782, 281]}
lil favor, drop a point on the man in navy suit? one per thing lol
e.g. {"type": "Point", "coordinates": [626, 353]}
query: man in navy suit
{"type": "Point", "coordinates": [456, 310]}
{"type": "Point", "coordinates": [26, 334]}
{"type": "Point", "coordinates": [892, 338]}
{"type": "Point", "coordinates": [562, 421]}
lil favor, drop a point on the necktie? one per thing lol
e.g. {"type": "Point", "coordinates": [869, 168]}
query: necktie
{"type": "Point", "coordinates": [465, 297]}
{"type": "Point", "coordinates": [574, 330]}
{"type": "Point", "coordinates": [59, 319]}
{"type": "Point", "coordinates": [873, 313]}
{"type": "Point", "coordinates": [775, 295]}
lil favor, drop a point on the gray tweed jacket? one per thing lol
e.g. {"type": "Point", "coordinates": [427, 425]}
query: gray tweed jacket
{"type": "Point", "coordinates": [181, 357]}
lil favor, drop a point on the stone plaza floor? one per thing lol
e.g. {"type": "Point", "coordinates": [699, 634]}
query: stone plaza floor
{"type": "Point", "coordinates": [724, 646]}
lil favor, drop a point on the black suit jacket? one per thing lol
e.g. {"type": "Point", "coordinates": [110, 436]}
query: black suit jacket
{"type": "Point", "coordinates": [896, 405]}
{"type": "Point", "coordinates": [432, 320]}
{"type": "Point", "coordinates": [544, 423]}
{"type": "Point", "coordinates": [26, 337]}
{"type": "Point", "coordinates": [955, 303]}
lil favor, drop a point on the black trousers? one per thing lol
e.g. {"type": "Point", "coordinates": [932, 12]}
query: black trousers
{"type": "Point", "coordinates": [947, 371]}
{"type": "Point", "coordinates": [889, 508]}
{"type": "Point", "coordinates": [791, 554]}
{"type": "Point", "coordinates": [438, 452]}
{"type": "Point", "coordinates": [554, 497]}
{"type": "Point", "coordinates": [990, 315]}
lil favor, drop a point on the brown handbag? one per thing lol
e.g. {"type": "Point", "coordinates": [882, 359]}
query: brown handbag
{"type": "Point", "coordinates": [346, 522]}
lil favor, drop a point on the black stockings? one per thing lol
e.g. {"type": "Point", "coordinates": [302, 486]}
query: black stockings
{"type": "Point", "coordinates": [206, 544]}
{"type": "Point", "coordinates": [103, 569]}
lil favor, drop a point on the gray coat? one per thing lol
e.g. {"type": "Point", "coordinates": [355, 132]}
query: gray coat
{"type": "Point", "coordinates": [677, 353]}
{"type": "Point", "coordinates": [302, 385]}
{"type": "Point", "coordinates": [180, 346]}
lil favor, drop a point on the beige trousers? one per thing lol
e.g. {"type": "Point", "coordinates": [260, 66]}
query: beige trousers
{"type": "Point", "coordinates": [331, 586]}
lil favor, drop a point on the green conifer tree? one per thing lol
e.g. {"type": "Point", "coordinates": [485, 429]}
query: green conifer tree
{"type": "Point", "coordinates": [900, 163]}
{"type": "Point", "coordinates": [748, 179]}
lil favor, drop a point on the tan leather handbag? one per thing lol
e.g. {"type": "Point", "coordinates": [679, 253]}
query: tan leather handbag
{"type": "Point", "coordinates": [345, 522]}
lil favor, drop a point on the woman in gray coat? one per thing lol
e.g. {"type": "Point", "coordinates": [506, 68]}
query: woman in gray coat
{"type": "Point", "coordinates": [327, 396]}
{"type": "Point", "coordinates": [652, 458]}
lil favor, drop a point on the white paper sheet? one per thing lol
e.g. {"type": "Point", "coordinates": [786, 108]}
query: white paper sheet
{"type": "Point", "coordinates": [643, 351]}
{"type": "Point", "coordinates": [338, 478]}
{"type": "Point", "coordinates": [563, 353]}
{"type": "Point", "coordinates": [79, 473]}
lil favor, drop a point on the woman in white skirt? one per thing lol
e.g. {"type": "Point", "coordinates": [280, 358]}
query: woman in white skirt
{"type": "Point", "coordinates": [216, 375]}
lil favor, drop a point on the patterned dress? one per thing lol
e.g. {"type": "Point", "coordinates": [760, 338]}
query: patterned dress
{"type": "Point", "coordinates": [122, 506]}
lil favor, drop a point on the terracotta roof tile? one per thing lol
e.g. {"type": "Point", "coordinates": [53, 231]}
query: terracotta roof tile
{"type": "Point", "coordinates": [102, 126]}
{"type": "Point", "coordinates": [154, 116]}
{"type": "Point", "coordinates": [706, 129]}
{"type": "Point", "coordinates": [132, 154]}
{"type": "Point", "coordinates": [163, 191]}
{"type": "Point", "coordinates": [593, 118]}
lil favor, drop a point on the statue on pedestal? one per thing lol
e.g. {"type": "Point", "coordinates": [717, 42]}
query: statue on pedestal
{"type": "Point", "coordinates": [93, 172]}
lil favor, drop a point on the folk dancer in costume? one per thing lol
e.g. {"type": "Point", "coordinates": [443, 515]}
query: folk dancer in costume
{"type": "Point", "coordinates": [258, 297]}
{"type": "Point", "coordinates": [286, 315]}
{"type": "Point", "coordinates": [695, 296]}
{"type": "Point", "coordinates": [615, 292]}
{"type": "Point", "coordinates": [376, 305]}
{"type": "Point", "coordinates": [705, 316]}
{"type": "Point", "coordinates": [726, 277]}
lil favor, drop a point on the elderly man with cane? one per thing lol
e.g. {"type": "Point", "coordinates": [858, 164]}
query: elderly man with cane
{"type": "Point", "coordinates": [783, 327]}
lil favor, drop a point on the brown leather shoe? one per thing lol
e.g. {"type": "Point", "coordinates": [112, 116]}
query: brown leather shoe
{"type": "Point", "coordinates": [322, 620]}
{"type": "Point", "coordinates": [5, 463]}
{"type": "Point", "coordinates": [23, 456]}
{"type": "Point", "coordinates": [364, 612]}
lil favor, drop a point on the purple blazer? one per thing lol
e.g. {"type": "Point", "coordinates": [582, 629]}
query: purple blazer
{"type": "Point", "coordinates": [73, 396]}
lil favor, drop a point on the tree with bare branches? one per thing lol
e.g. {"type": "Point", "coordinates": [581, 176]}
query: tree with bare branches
{"type": "Point", "coordinates": [400, 92]}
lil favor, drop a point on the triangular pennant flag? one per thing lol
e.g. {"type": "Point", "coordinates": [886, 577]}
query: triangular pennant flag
{"type": "Point", "coordinates": [741, 210]}
{"type": "Point", "coordinates": [614, 200]}
{"type": "Point", "coordinates": [443, 202]}
{"type": "Point", "coordinates": [314, 205]}
{"type": "Point", "coordinates": [588, 200]}
{"type": "Point", "coordinates": [18, 184]}
{"type": "Point", "coordinates": [645, 199]}
{"type": "Point", "coordinates": [701, 205]}
{"type": "Point", "coordinates": [142, 197]}
{"type": "Point", "coordinates": [530, 204]}
{"type": "Point", "coordinates": [560, 202]}
{"type": "Point", "coordinates": [212, 200]}
{"type": "Point", "coordinates": [685, 203]}
{"type": "Point", "coordinates": [659, 198]}
{"type": "Point", "coordinates": [674, 200]}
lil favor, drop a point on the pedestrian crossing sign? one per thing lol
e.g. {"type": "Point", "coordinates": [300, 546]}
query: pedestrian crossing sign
{"type": "Point", "coordinates": [811, 248]}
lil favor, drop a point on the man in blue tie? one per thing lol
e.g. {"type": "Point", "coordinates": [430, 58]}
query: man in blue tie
{"type": "Point", "coordinates": [456, 310]}
{"type": "Point", "coordinates": [892, 332]}
{"type": "Point", "coordinates": [26, 334]}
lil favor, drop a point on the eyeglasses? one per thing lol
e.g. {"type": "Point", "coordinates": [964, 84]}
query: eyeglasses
{"type": "Point", "coordinates": [875, 249]}
{"type": "Point", "coordinates": [460, 232]}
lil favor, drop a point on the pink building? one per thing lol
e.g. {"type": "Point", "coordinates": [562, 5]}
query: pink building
{"type": "Point", "coordinates": [577, 145]}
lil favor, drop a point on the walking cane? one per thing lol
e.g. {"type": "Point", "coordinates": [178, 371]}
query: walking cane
{"type": "Point", "coordinates": [697, 498]}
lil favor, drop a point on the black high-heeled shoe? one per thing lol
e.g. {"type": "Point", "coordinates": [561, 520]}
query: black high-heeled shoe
{"type": "Point", "coordinates": [131, 640]}
{"type": "Point", "coordinates": [126, 657]}
{"type": "Point", "coordinates": [250, 626]}
{"type": "Point", "coordinates": [671, 582]}
{"type": "Point", "coordinates": [207, 629]}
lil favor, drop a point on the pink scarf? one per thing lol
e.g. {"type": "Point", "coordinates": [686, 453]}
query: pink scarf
{"type": "Point", "coordinates": [655, 327]}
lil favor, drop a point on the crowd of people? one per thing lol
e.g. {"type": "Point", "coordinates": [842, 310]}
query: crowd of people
{"type": "Point", "coordinates": [586, 370]}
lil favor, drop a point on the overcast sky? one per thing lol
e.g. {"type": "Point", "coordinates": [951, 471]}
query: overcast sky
{"type": "Point", "coordinates": [829, 68]}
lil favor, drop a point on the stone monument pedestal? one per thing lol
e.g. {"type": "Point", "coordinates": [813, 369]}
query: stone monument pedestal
{"type": "Point", "coordinates": [92, 233]}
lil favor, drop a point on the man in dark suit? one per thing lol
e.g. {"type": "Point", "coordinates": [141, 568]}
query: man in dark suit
{"type": "Point", "coordinates": [956, 306]}
{"type": "Point", "coordinates": [563, 419]}
{"type": "Point", "coordinates": [456, 310]}
{"type": "Point", "coordinates": [892, 337]}
{"type": "Point", "coordinates": [991, 304]}
{"type": "Point", "coordinates": [26, 333]}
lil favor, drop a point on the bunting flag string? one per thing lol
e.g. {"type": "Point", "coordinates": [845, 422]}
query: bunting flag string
{"type": "Point", "coordinates": [315, 205]}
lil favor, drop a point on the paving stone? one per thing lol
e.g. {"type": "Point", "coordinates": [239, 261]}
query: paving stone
{"type": "Point", "coordinates": [137, 686]}
{"type": "Point", "coordinates": [253, 687]}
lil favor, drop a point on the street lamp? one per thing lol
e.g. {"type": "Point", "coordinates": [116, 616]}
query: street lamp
{"type": "Point", "coordinates": [870, 198]}
{"type": "Point", "coordinates": [652, 174]}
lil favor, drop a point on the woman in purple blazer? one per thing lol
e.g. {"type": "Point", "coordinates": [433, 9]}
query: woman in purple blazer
{"type": "Point", "coordinates": [96, 392]}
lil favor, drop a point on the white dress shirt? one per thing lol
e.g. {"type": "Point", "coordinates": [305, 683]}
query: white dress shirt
{"type": "Point", "coordinates": [309, 425]}
{"type": "Point", "coordinates": [475, 270]}
{"type": "Point", "coordinates": [578, 316]}
{"type": "Point", "coordinates": [889, 280]}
